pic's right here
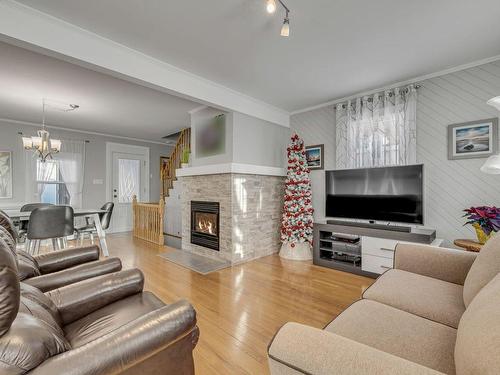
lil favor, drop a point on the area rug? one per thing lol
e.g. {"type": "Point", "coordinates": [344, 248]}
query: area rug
{"type": "Point", "coordinates": [195, 262]}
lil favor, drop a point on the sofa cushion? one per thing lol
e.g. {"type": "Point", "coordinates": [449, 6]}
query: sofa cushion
{"type": "Point", "coordinates": [9, 287]}
{"type": "Point", "coordinates": [397, 332]}
{"type": "Point", "coordinates": [8, 239]}
{"type": "Point", "coordinates": [478, 337]}
{"type": "Point", "coordinates": [424, 296]}
{"type": "Point", "coordinates": [7, 223]}
{"type": "Point", "coordinates": [110, 318]}
{"type": "Point", "coordinates": [40, 306]}
{"type": "Point", "coordinates": [483, 270]}
{"type": "Point", "coordinates": [28, 266]}
{"type": "Point", "coordinates": [29, 342]}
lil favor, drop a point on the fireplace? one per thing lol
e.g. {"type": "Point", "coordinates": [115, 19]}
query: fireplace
{"type": "Point", "coordinates": [205, 224]}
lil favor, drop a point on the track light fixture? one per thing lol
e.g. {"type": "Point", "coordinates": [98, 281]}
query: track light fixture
{"type": "Point", "coordinates": [271, 8]}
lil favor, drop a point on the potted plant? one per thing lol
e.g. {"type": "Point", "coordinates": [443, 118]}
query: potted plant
{"type": "Point", "coordinates": [485, 220]}
{"type": "Point", "coordinates": [185, 157]}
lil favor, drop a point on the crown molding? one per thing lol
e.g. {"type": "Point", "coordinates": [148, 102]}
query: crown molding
{"type": "Point", "coordinates": [12, 122]}
{"type": "Point", "coordinates": [53, 36]}
{"type": "Point", "coordinates": [418, 79]}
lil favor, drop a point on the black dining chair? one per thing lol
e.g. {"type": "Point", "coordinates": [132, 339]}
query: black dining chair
{"type": "Point", "coordinates": [23, 224]}
{"type": "Point", "coordinates": [104, 218]}
{"type": "Point", "coordinates": [50, 222]}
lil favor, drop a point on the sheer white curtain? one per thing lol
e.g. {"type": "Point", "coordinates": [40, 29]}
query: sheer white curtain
{"type": "Point", "coordinates": [71, 161]}
{"type": "Point", "coordinates": [377, 130]}
{"type": "Point", "coordinates": [66, 170]}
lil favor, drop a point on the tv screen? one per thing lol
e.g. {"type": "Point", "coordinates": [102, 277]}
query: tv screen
{"type": "Point", "coordinates": [393, 194]}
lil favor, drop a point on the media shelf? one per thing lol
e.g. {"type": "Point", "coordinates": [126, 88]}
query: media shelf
{"type": "Point", "coordinates": [364, 250]}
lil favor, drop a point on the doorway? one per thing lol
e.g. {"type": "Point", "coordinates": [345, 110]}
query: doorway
{"type": "Point", "coordinates": [128, 175]}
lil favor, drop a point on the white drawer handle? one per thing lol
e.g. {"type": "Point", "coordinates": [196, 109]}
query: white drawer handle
{"type": "Point", "coordinates": [385, 267]}
{"type": "Point", "coordinates": [386, 249]}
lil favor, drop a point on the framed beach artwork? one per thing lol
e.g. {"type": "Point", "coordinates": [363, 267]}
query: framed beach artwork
{"type": "Point", "coordinates": [5, 174]}
{"type": "Point", "coordinates": [314, 156]}
{"type": "Point", "coordinates": [475, 139]}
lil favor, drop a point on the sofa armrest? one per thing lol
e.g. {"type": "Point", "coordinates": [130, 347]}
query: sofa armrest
{"type": "Point", "coordinates": [437, 262]}
{"type": "Point", "coordinates": [129, 345]}
{"type": "Point", "coordinates": [60, 260]}
{"type": "Point", "coordinates": [75, 274]}
{"type": "Point", "coordinates": [77, 300]}
{"type": "Point", "coordinates": [299, 349]}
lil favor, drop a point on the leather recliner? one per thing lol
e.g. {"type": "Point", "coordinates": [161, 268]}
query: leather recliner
{"type": "Point", "coordinates": [105, 325]}
{"type": "Point", "coordinates": [56, 269]}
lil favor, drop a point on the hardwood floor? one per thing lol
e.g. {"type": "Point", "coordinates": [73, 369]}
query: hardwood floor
{"type": "Point", "coordinates": [240, 308]}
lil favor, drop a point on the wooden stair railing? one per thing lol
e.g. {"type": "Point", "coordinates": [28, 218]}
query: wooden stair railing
{"type": "Point", "coordinates": [168, 174]}
{"type": "Point", "coordinates": [148, 220]}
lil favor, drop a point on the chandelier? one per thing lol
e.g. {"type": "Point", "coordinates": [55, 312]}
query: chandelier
{"type": "Point", "coordinates": [42, 144]}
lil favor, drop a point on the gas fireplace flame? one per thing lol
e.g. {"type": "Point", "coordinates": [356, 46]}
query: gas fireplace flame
{"type": "Point", "coordinates": [206, 226]}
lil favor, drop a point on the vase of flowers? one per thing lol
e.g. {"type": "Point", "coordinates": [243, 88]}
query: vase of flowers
{"type": "Point", "coordinates": [485, 220]}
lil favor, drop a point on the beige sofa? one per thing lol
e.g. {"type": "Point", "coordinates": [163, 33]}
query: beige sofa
{"type": "Point", "coordinates": [436, 312]}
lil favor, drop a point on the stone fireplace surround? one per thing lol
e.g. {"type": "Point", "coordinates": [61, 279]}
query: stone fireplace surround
{"type": "Point", "coordinates": [250, 209]}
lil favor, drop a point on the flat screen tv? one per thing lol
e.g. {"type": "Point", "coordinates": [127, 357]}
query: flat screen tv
{"type": "Point", "coordinates": [392, 194]}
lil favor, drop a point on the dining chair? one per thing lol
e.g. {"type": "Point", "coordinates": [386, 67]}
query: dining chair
{"type": "Point", "coordinates": [23, 225]}
{"type": "Point", "coordinates": [104, 218]}
{"type": "Point", "coordinates": [50, 222]}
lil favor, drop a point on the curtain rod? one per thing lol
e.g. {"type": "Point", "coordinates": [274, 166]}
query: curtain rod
{"type": "Point", "coordinates": [380, 93]}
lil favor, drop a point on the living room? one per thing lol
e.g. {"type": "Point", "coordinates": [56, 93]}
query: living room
{"type": "Point", "coordinates": [249, 187]}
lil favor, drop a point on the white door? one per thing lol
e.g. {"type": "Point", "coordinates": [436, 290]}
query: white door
{"type": "Point", "coordinates": [129, 177]}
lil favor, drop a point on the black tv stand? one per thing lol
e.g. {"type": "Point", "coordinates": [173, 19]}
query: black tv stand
{"type": "Point", "coordinates": [394, 228]}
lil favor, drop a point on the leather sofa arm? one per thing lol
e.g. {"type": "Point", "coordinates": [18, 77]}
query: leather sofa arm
{"type": "Point", "coordinates": [297, 348]}
{"type": "Point", "coordinates": [437, 262]}
{"type": "Point", "coordinates": [77, 300]}
{"type": "Point", "coordinates": [75, 274]}
{"type": "Point", "coordinates": [60, 260]}
{"type": "Point", "coordinates": [127, 346]}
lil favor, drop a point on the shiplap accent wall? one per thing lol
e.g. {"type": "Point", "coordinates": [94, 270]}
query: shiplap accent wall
{"type": "Point", "coordinates": [450, 185]}
{"type": "Point", "coordinates": [318, 127]}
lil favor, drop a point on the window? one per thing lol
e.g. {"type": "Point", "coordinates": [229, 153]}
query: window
{"type": "Point", "coordinates": [50, 185]}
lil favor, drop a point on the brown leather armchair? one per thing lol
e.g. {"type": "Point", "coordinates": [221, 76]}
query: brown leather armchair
{"type": "Point", "coordinates": [105, 325]}
{"type": "Point", "coordinates": [56, 269]}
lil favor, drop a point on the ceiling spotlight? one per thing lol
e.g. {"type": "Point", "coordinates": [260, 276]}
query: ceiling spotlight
{"type": "Point", "coordinates": [285, 29]}
{"type": "Point", "coordinates": [271, 6]}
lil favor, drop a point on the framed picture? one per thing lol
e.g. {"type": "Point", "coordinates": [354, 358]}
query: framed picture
{"type": "Point", "coordinates": [5, 174]}
{"type": "Point", "coordinates": [314, 156]}
{"type": "Point", "coordinates": [475, 139]}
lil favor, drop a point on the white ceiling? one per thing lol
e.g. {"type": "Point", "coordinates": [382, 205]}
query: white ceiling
{"type": "Point", "coordinates": [107, 105]}
{"type": "Point", "coordinates": [336, 48]}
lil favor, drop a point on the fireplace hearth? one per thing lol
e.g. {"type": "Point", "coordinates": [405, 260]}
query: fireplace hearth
{"type": "Point", "coordinates": [205, 224]}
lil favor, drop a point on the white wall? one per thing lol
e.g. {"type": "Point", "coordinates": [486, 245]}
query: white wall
{"type": "Point", "coordinates": [450, 185]}
{"type": "Point", "coordinates": [249, 140]}
{"type": "Point", "coordinates": [95, 168]}
{"type": "Point", "coordinates": [258, 142]}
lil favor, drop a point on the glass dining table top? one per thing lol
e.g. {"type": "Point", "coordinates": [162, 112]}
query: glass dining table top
{"type": "Point", "coordinates": [18, 215]}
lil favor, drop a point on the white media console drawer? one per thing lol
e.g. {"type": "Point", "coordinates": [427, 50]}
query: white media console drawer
{"type": "Point", "coordinates": [379, 247]}
{"type": "Point", "coordinates": [375, 264]}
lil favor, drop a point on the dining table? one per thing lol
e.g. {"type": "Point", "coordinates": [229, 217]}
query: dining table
{"type": "Point", "coordinates": [18, 215]}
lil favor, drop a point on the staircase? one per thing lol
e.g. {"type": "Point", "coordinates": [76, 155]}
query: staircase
{"type": "Point", "coordinates": [168, 174]}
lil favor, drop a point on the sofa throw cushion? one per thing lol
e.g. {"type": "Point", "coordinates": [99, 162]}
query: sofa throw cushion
{"type": "Point", "coordinates": [29, 342]}
{"type": "Point", "coordinates": [28, 266]}
{"type": "Point", "coordinates": [9, 287]}
{"type": "Point", "coordinates": [478, 335]}
{"type": "Point", "coordinates": [483, 270]}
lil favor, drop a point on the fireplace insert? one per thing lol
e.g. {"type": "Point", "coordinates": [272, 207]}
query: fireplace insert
{"type": "Point", "coordinates": [205, 224]}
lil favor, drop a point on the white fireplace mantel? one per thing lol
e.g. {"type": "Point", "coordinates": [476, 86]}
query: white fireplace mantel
{"type": "Point", "coordinates": [230, 168]}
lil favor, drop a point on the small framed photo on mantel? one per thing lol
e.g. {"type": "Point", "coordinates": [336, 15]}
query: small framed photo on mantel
{"type": "Point", "coordinates": [315, 156]}
{"type": "Point", "coordinates": [474, 139]}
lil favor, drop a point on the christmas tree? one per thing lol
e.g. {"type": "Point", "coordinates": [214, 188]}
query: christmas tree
{"type": "Point", "coordinates": [297, 221]}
